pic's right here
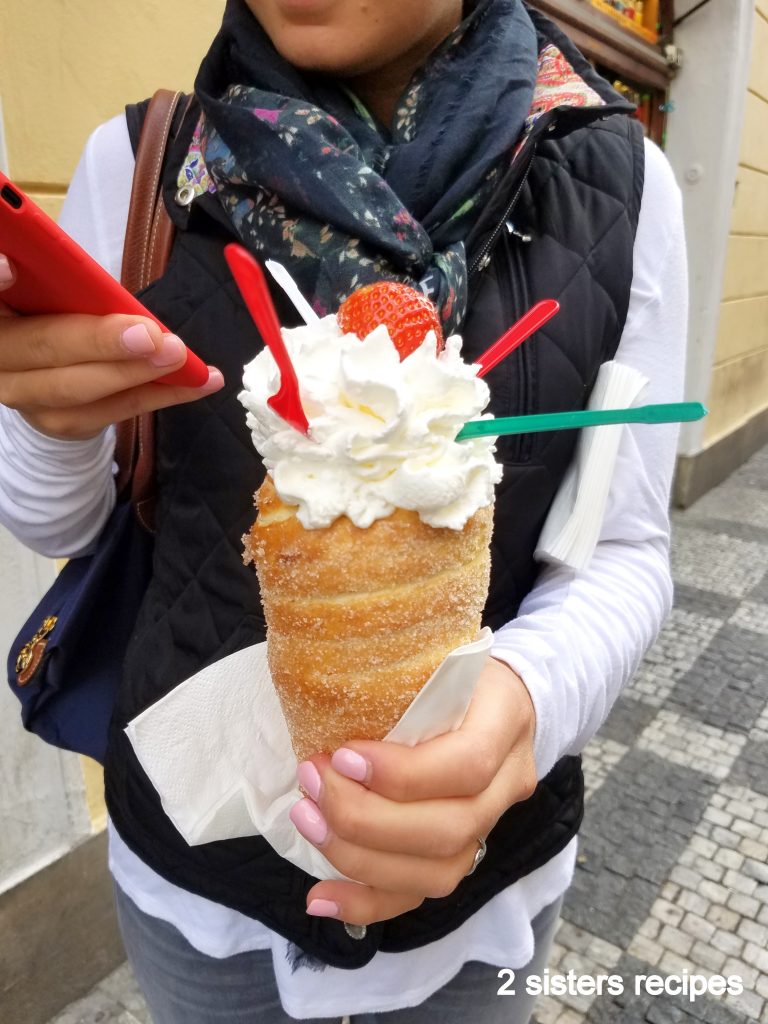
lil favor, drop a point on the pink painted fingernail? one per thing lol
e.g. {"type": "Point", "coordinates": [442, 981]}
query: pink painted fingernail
{"type": "Point", "coordinates": [309, 779]}
{"type": "Point", "coordinates": [323, 908]}
{"type": "Point", "coordinates": [307, 818]}
{"type": "Point", "coordinates": [347, 762]}
{"type": "Point", "coordinates": [173, 351]}
{"type": "Point", "coordinates": [215, 381]}
{"type": "Point", "coordinates": [6, 274]}
{"type": "Point", "coordinates": [137, 341]}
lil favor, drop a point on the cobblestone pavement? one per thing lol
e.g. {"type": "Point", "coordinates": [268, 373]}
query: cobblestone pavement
{"type": "Point", "coordinates": [672, 875]}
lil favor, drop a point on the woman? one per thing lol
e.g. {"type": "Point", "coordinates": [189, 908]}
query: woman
{"type": "Point", "coordinates": [470, 149]}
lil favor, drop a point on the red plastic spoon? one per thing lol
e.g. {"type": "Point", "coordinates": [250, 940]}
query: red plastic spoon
{"type": "Point", "coordinates": [527, 325]}
{"type": "Point", "coordinates": [253, 287]}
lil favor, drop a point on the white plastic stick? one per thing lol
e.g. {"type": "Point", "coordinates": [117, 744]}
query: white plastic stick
{"type": "Point", "coordinates": [291, 289]}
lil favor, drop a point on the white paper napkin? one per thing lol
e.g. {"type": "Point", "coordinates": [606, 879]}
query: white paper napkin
{"type": "Point", "coordinates": [218, 752]}
{"type": "Point", "coordinates": [574, 521]}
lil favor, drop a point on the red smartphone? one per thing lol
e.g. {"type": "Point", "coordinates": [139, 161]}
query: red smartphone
{"type": "Point", "coordinates": [55, 275]}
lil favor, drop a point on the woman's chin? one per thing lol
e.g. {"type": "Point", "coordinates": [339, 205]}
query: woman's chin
{"type": "Point", "coordinates": [318, 48]}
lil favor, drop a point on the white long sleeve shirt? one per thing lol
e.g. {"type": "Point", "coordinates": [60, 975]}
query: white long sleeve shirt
{"type": "Point", "coordinates": [576, 641]}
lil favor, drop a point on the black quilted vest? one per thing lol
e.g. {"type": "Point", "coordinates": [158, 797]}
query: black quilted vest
{"type": "Point", "coordinates": [578, 201]}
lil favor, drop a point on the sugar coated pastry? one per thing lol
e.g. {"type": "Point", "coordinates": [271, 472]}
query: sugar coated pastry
{"type": "Point", "coordinates": [372, 538]}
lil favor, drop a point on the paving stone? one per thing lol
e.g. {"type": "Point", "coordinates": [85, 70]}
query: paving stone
{"type": "Point", "coordinates": [748, 1003]}
{"type": "Point", "coordinates": [570, 1017]}
{"type": "Point", "coordinates": [683, 740]}
{"type": "Point", "coordinates": [646, 949]}
{"type": "Point", "coordinates": [740, 883]}
{"type": "Point", "coordinates": [720, 503]}
{"type": "Point", "coordinates": [748, 975]}
{"type": "Point", "coordinates": [548, 1011]}
{"type": "Point", "coordinates": [95, 1008]}
{"type": "Point", "coordinates": [599, 758]}
{"type": "Point", "coordinates": [705, 847]}
{"type": "Point", "coordinates": [718, 817]}
{"type": "Point", "coordinates": [698, 927]}
{"type": "Point", "coordinates": [727, 942]}
{"type": "Point", "coordinates": [667, 912]}
{"type": "Point", "coordinates": [752, 473]}
{"type": "Point", "coordinates": [744, 905]}
{"type": "Point", "coordinates": [749, 532]}
{"type": "Point", "coordinates": [603, 953]}
{"type": "Point", "coordinates": [704, 604]}
{"type": "Point", "coordinates": [751, 767]}
{"type": "Point", "coordinates": [650, 928]}
{"type": "Point", "coordinates": [669, 892]}
{"type": "Point", "coordinates": [122, 986]}
{"type": "Point", "coordinates": [629, 817]}
{"type": "Point", "coordinates": [746, 829]}
{"type": "Point", "coordinates": [684, 636]}
{"type": "Point", "coordinates": [759, 730]}
{"type": "Point", "coordinates": [675, 940]}
{"type": "Point", "coordinates": [726, 686]}
{"type": "Point", "coordinates": [712, 561]}
{"type": "Point", "coordinates": [626, 722]}
{"type": "Point", "coordinates": [729, 858]}
{"type": "Point", "coordinates": [721, 917]}
{"type": "Point", "coordinates": [751, 615]}
{"type": "Point", "coordinates": [756, 957]}
{"type": "Point", "coordinates": [638, 1007]}
{"type": "Point", "coordinates": [714, 892]}
{"type": "Point", "coordinates": [693, 902]}
{"type": "Point", "coordinates": [759, 592]}
{"type": "Point", "coordinates": [705, 955]}
{"type": "Point", "coordinates": [674, 963]}
{"type": "Point", "coordinates": [754, 932]}
{"type": "Point", "coordinates": [754, 850]}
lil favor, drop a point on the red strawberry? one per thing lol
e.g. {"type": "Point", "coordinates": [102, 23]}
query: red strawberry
{"type": "Point", "coordinates": [407, 313]}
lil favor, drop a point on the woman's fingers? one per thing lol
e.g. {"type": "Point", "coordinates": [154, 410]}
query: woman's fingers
{"type": "Point", "coordinates": [7, 274]}
{"type": "Point", "coordinates": [88, 420]}
{"type": "Point", "coordinates": [43, 342]}
{"type": "Point", "coordinates": [427, 828]}
{"type": "Point", "coordinates": [460, 763]}
{"type": "Point", "coordinates": [71, 375]}
{"type": "Point", "coordinates": [438, 829]}
{"type": "Point", "coordinates": [395, 872]}
{"type": "Point", "coordinates": [357, 904]}
{"type": "Point", "coordinates": [84, 383]}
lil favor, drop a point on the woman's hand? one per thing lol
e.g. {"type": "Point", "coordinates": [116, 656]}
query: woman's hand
{"type": "Point", "coordinates": [404, 822]}
{"type": "Point", "coordinates": [71, 375]}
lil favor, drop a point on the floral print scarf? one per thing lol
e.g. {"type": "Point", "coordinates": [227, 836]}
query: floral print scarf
{"type": "Point", "coordinates": [308, 177]}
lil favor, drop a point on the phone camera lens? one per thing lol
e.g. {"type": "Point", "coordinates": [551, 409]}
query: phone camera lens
{"type": "Point", "coordinates": [11, 197]}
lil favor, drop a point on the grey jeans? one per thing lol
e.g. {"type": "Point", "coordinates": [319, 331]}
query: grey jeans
{"type": "Point", "coordinates": [184, 986]}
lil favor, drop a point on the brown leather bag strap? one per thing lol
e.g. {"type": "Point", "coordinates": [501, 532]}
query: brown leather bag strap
{"type": "Point", "coordinates": [148, 240]}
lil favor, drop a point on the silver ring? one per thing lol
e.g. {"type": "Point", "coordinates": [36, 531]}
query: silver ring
{"type": "Point", "coordinates": [481, 851]}
{"type": "Point", "coordinates": [355, 931]}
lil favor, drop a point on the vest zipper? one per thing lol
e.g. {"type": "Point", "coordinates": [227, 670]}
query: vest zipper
{"type": "Point", "coordinates": [483, 258]}
{"type": "Point", "coordinates": [516, 300]}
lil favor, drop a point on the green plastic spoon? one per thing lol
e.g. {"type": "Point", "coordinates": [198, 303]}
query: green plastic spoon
{"type": "Point", "coordinates": [670, 412]}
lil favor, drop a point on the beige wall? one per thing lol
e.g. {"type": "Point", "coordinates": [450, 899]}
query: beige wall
{"type": "Point", "coordinates": [739, 386]}
{"type": "Point", "coordinates": [66, 67]}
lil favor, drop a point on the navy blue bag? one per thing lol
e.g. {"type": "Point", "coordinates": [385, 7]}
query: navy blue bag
{"type": "Point", "coordinates": [66, 663]}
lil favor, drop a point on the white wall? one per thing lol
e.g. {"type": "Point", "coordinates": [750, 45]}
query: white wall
{"type": "Point", "coordinates": [703, 139]}
{"type": "Point", "coordinates": [42, 807]}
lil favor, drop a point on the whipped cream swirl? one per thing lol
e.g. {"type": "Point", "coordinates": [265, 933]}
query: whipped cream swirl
{"type": "Point", "coordinates": [382, 431]}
